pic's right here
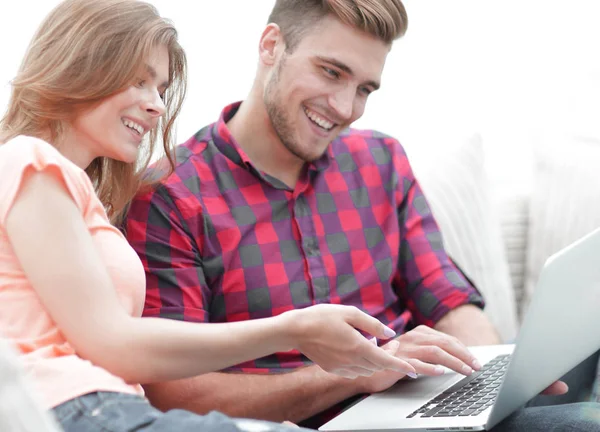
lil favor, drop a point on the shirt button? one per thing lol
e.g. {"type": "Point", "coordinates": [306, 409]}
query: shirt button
{"type": "Point", "coordinates": [301, 208]}
{"type": "Point", "coordinates": [311, 247]}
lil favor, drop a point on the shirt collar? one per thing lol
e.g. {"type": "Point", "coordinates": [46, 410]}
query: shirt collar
{"type": "Point", "coordinates": [227, 145]}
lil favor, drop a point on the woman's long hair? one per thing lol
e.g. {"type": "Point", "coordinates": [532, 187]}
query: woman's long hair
{"type": "Point", "coordinates": [84, 52]}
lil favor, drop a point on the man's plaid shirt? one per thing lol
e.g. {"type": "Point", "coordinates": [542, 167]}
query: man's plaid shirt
{"type": "Point", "coordinates": [221, 241]}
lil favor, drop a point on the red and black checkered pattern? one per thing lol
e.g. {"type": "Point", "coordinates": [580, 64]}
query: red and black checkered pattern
{"type": "Point", "coordinates": [221, 241]}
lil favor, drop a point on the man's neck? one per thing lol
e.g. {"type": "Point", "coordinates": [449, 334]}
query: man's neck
{"type": "Point", "coordinates": [252, 130]}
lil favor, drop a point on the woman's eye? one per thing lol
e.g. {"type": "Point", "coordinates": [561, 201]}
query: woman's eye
{"type": "Point", "coordinates": [141, 82]}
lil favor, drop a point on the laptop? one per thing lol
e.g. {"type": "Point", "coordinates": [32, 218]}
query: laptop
{"type": "Point", "coordinates": [558, 333]}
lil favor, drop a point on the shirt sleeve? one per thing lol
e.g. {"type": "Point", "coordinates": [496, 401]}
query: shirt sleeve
{"type": "Point", "coordinates": [175, 282]}
{"type": "Point", "coordinates": [23, 156]}
{"type": "Point", "coordinates": [427, 281]}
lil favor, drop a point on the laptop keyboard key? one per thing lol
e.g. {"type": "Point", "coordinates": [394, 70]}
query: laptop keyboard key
{"type": "Point", "coordinates": [433, 411]}
{"type": "Point", "coordinates": [471, 395]}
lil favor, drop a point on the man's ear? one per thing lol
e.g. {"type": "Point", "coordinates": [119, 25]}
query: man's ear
{"type": "Point", "coordinates": [271, 44]}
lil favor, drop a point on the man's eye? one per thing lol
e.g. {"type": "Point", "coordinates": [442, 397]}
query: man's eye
{"type": "Point", "coordinates": [332, 73]}
{"type": "Point", "coordinates": [365, 91]}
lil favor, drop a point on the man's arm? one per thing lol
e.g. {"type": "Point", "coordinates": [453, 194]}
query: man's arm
{"type": "Point", "coordinates": [293, 396]}
{"type": "Point", "coordinates": [427, 281]}
{"type": "Point", "coordinates": [469, 325]}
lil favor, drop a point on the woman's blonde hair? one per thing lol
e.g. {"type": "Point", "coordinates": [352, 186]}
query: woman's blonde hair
{"type": "Point", "coordinates": [84, 52]}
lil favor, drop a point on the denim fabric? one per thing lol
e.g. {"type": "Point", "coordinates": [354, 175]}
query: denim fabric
{"type": "Point", "coordinates": [561, 413]}
{"type": "Point", "coordinates": [596, 387]}
{"type": "Point", "coordinates": [119, 412]}
{"type": "Point", "coordinates": [580, 381]}
{"type": "Point", "coordinates": [578, 417]}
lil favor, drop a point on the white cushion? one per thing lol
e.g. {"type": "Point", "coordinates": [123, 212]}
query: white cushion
{"type": "Point", "coordinates": [565, 203]}
{"type": "Point", "coordinates": [514, 224]}
{"type": "Point", "coordinates": [456, 186]}
{"type": "Point", "coordinates": [20, 406]}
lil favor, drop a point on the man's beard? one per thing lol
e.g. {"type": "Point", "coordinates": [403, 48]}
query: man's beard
{"type": "Point", "coordinates": [279, 118]}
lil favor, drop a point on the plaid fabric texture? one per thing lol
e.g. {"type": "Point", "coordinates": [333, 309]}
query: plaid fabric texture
{"type": "Point", "coordinates": [221, 241]}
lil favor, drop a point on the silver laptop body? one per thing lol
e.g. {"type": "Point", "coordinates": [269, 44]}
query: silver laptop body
{"type": "Point", "coordinates": [560, 330]}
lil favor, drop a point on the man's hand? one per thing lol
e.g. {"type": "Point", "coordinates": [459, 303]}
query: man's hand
{"type": "Point", "coordinates": [426, 350]}
{"type": "Point", "coordinates": [556, 389]}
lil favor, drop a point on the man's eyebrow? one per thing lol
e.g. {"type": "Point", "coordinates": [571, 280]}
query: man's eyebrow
{"type": "Point", "coordinates": [152, 72]}
{"type": "Point", "coordinates": [347, 69]}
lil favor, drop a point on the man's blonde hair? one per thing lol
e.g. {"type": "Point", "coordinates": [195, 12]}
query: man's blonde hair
{"type": "Point", "coordinates": [83, 52]}
{"type": "Point", "coordinates": [384, 19]}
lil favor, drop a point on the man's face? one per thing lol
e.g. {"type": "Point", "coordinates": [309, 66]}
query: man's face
{"type": "Point", "coordinates": [322, 87]}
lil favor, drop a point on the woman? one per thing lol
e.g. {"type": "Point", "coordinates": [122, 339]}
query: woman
{"type": "Point", "coordinates": [101, 83]}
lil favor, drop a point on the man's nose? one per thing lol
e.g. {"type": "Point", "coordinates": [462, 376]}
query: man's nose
{"type": "Point", "coordinates": [343, 103]}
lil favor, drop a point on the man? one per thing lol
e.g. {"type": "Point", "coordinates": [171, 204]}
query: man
{"type": "Point", "coordinates": [278, 206]}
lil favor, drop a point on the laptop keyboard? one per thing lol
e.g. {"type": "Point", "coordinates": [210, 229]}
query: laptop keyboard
{"type": "Point", "coordinates": [470, 396]}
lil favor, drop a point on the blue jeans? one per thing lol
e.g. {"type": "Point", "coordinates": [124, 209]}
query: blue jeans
{"type": "Point", "coordinates": [580, 417]}
{"type": "Point", "coordinates": [121, 412]}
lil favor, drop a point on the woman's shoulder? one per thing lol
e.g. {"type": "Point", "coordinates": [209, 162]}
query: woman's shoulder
{"type": "Point", "coordinates": [23, 151]}
{"type": "Point", "coordinates": [22, 145]}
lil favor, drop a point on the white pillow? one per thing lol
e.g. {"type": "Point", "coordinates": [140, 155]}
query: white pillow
{"type": "Point", "coordinates": [565, 202]}
{"type": "Point", "coordinates": [20, 406]}
{"type": "Point", "coordinates": [514, 225]}
{"type": "Point", "coordinates": [456, 186]}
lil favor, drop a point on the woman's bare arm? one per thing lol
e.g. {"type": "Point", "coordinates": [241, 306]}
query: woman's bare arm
{"type": "Point", "coordinates": [57, 253]}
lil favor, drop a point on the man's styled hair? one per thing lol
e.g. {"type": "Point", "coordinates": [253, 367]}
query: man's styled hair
{"type": "Point", "coordinates": [384, 19]}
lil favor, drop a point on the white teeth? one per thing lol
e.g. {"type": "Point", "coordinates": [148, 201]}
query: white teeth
{"type": "Point", "coordinates": [132, 125]}
{"type": "Point", "coordinates": [327, 125]}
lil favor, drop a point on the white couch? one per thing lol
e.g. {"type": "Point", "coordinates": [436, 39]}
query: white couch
{"type": "Point", "coordinates": [20, 407]}
{"type": "Point", "coordinates": [501, 237]}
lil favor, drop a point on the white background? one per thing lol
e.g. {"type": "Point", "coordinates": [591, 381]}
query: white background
{"type": "Point", "coordinates": [506, 69]}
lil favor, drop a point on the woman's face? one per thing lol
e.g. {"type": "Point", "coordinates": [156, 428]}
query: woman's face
{"type": "Point", "coordinates": [116, 126]}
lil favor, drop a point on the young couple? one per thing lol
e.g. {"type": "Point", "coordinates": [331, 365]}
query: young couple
{"type": "Point", "coordinates": [246, 237]}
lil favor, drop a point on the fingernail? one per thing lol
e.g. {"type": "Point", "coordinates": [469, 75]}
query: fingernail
{"type": "Point", "coordinates": [412, 375]}
{"type": "Point", "coordinates": [467, 370]}
{"type": "Point", "coordinates": [476, 365]}
{"type": "Point", "coordinates": [388, 332]}
{"type": "Point", "coordinates": [438, 370]}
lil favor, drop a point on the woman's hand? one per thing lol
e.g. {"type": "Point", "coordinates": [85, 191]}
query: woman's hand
{"type": "Point", "coordinates": [328, 335]}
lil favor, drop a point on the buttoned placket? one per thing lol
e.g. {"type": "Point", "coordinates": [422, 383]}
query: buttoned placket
{"type": "Point", "coordinates": [303, 223]}
{"type": "Point", "coordinates": [308, 241]}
